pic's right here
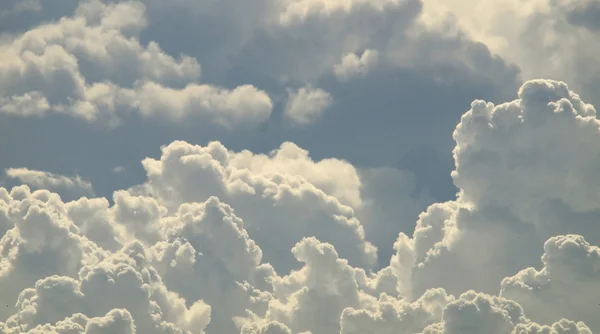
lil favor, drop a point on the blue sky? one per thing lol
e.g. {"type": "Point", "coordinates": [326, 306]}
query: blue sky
{"type": "Point", "coordinates": [299, 166]}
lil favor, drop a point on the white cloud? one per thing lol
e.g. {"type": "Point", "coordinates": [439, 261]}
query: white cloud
{"type": "Point", "coordinates": [521, 182]}
{"type": "Point", "coordinates": [306, 104]}
{"type": "Point", "coordinates": [91, 265]}
{"type": "Point", "coordinates": [45, 180]}
{"type": "Point", "coordinates": [266, 192]}
{"type": "Point", "coordinates": [244, 104]}
{"type": "Point", "coordinates": [217, 240]}
{"type": "Point", "coordinates": [568, 277]}
{"type": "Point", "coordinates": [93, 66]}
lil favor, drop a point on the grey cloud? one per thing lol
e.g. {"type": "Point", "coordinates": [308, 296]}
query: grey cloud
{"type": "Point", "coordinates": [306, 105]}
{"type": "Point", "coordinates": [585, 13]}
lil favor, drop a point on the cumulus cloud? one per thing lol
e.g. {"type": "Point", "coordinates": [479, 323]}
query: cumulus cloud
{"type": "Point", "coordinates": [568, 277]}
{"type": "Point", "coordinates": [221, 241]}
{"type": "Point", "coordinates": [45, 180]}
{"type": "Point", "coordinates": [239, 44]}
{"type": "Point", "coordinates": [93, 66]}
{"type": "Point", "coordinates": [265, 191]}
{"type": "Point", "coordinates": [217, 238]}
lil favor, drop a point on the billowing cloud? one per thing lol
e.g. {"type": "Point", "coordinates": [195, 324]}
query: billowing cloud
{"type": "Point", "coordinates": [93, 66]}
{"type": "Point", "coordinates": [266, 191]}
{"type": "Point", "coordinates": [154, 87]}
{"type": "Point", "coordinates": [269, 198]}
{"type": "Point", "coordinates": [221, 241]}
{"type": "Point", "coordinates": [568, 278]}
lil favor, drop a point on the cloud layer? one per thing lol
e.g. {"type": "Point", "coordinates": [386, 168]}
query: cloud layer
{"type": "Point", "coordinates": [306, 166]}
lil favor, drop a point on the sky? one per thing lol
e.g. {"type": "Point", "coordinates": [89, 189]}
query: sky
{"type": "Point", "coordinates": [299, 166]}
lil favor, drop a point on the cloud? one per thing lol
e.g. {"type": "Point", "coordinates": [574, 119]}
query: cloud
{"type": "Point", "coordinates": [244, 104]}
{"type": "Point", "coordinates": [564, 32]}
{"type": "Point", "coordinates": [238, 45]}
{"type": "Point", "coordinates": [92, 66]}
{"type": "Point", "coordinates": [116, 321]}
{"type": "Point", "coordinates": [266, 190]}
{"type": "Point", "coordinates": [298, 229]}
{"type": "Point", "coordinates": [570, 265]}
{"type": "Point", "coordinates": [300, 10]}
{"type": "Point", "coordinates": [208, 214]}
{"type": "Point", "coordinates": [352, 65]}
{"type": "Point", "coordinates": [161, 245]}
{"type": "Point", "coordinates": [45, 180]}
{"type": "Point", "coordinates": [307, 104]}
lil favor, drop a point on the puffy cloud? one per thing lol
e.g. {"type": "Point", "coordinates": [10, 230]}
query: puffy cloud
{"type": "Point", "coordinates": [51, 181]}
{"type": "Point", "coordinates": [240, 44]}
{"type": "Point", "coordinates": [171, 243]}
{"type": "Point", "coordinates": [37, 242]}
{"type": "Point", "coordinates": [306, 104]}
{"type": "Point", "coordinates": [521, 182]}
{"type": "Point", "coordinates": [244, 104]}
{"type": "Point", "coordinates": [93, 66]}
{"type": "Point", "coordinates": [312, 298]}
{"type": "Point", "coordinates": [476, 313]}
{"type": "Point", "coordinates": [207, 243]}
{"type": "Point", "coordinates": [273, 195]}
{"type": "Point", "coordinates": [51, 272]}
{"type": "Point", "coordinates": [115, 321]}
{"type": "Point", "coordinates": [171, 256]}
{"type": "Point", "coordinates": [568, 279]}
{"type": "Point", "coordinates": [563, 326]}
{"type": "Point", "coordinates": [203, 243]}
{"type": "Point", "coordinates": [273, 327]}
{"type": "Point", "coordinates": [120, 281]}
{"type": "Point", "coordinates": [390, 314]}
